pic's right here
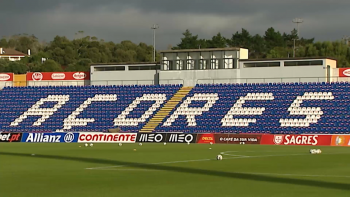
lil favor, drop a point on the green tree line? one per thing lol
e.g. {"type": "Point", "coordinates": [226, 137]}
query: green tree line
{"type": "Point", "coordinates": [63, 54]}
{"type": "Point", "coordinates": [273, 44]}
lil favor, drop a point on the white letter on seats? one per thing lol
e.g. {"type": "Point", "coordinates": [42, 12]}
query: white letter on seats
{"type": "Point", "coordinates": [121, 120]}
{"type": "Point", "coordinates": [313, 114]}
{"type": "Point", "coordinates": [192, 112]}
{"type": "Point", "coordinates": [71, 120]}
{"type": "Point", "coordinates": [237, 109]}
{"type": "Point", "coordinates": [45, 113]}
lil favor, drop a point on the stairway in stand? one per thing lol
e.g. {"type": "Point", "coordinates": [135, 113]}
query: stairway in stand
{"type": "Point", "coordinates": [165, 110]}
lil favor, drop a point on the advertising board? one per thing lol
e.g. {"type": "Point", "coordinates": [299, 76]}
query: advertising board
{"type": "Point", "coordinates": [50, 137]}
{"type": "Point", "coordinates": [166, 137]}
{"type": "Point", "coordinates": [306, 140]}
{"type": "Point", "coordinates": [58, 76]}
{"type": "Point", "coordinates": [98, 137]}
{"type": "Point", "coordinates": [237, 139]}
{"type": "Point", "coordinates": [344, 72]}
{"type": "Point", "coordinates": [10, 137]}
{"type": "Point", "coordinates": [219, 138]}
{"type": "Point", "coordinates": [340, 140]}
{"type": "Point", "coordinates": [6, 76]}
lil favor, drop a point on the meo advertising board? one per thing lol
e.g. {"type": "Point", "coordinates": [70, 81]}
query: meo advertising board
{"type": "Point", "coordinates": [166, 137]}
{"type": "Point", "coordinates": [98, 137]}
{"type": "Point", "coordinates": [305, 140]}
{"type": "Point", "coordinates": [50, 137]}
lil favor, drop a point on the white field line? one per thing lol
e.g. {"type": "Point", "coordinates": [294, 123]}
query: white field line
{"type": "Point", "coordinates": [251, 173]}
{"type": "Point", "coordinates": [200, 160]}
{"type": "Point", "coordinates": [123, 169]}
{"type": "Point", "coordinates": [299, 175]}
{"type": "Point", "coordinates": [168, 162]}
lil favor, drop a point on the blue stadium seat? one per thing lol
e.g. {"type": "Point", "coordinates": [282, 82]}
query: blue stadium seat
{"type": "Point", "coordinates": [277, 108]}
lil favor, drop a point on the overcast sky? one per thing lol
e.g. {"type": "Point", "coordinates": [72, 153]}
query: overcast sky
{"type": "Point", "coordinates": [117, 20]}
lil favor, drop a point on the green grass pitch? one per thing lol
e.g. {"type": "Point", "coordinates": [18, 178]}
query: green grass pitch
{"type": "Point", "coordinates": [172, 170]}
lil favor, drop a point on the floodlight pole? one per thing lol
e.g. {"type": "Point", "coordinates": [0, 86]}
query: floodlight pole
{"type": "Point", "coordinates": [154, 27]}
{"type": "Point", "coordinates": [346, 39]}
{"type": "Point", "coordinates": [297, 21]}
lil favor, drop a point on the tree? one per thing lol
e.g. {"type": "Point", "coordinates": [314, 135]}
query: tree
{"type": "Point", "coordinates": [243, 39]}
{"type": "Point", "coordinates": [3, 65]}
{"type": "Point", "coordinates": [51, 66]}
{"type": "Point", "coordinates": [273, 39]}
{"type": "Point", "coordinates": [3, 43]}
{"type": "Point", "coordinates": [217, 41]}
{"type": "Point", "coordinates": [16, 68]}
{"type": "Point", "coordinates": [189, 41]}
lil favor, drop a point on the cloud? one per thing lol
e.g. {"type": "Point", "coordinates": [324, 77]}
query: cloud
{"type": "Point", "coordinates": [117, 20]}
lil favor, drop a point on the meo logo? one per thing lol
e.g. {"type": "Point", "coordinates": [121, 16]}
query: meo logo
{"type": "Point", "coordinates": [69, 137]}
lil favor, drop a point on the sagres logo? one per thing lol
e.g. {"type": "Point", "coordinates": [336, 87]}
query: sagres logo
{"type": "Point", "coordinates": [69, 137]}
{"type": "Point", "coordinates": [278, 139]}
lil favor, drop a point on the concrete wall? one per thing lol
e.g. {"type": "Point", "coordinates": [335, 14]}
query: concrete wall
{"type": "Point", "coordinates": [123, 77]}
{"type": "Point", "coordinates": [284, 74]}
{"type": "Point", "coordinates": [247, 75]}
{"type": "Point", "coordinates": [5, 83]}
{"type": "Point", "coordinates": [192, 77]}
{"type": "Point", "coordinates": [335, 76]}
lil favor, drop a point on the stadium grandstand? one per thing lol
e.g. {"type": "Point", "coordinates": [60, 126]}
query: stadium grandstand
{"type": "Point", "coordinates": [191, 91]}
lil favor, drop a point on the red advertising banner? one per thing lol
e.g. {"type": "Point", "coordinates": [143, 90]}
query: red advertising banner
{"type": "Point", "coordinates": [237, 139]}
{"type": "Point", "coordinates": [59, 76]}
{"type": "Point", "coordinates": [205, 138]}
{"type": "Point", "coordinates": [228, 138]}
{"type": "Point", "coordinates": [6, 76]}
{"type": "Point", "coordinates": [340, 140]}
{"type": "Point", "coordinates": [306, 140]}
{"type": "Point", "coordinates": [344, 72]}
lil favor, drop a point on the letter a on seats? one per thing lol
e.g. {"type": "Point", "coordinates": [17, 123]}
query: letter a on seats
{"type": "Point", "coordinates": [45, 113]}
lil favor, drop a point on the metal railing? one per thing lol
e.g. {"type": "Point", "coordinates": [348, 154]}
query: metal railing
{"type": "Point", "coordinates": [177, 81]}
{"type": "Point", "coordinates": [136, 82]}
{"type": "Point", "coordinates": [273, 80]}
